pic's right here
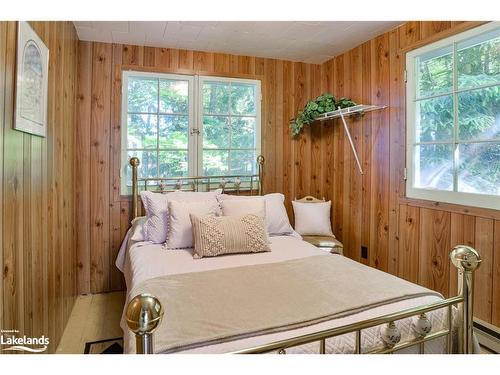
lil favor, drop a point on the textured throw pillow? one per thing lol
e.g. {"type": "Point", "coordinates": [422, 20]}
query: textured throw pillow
{"type": "Point", "coordinates": [312, 219]}
{"type": "Point", "coordinates": [221, 235]}
{"type": "Point", "coordinates": [238, 207]}
{"type": "Point", "coordinates": [276, 217]}
{"type": "Point", "coordinates": [180, 233]}
{"type": "Point", "coordinates": [156, 206]}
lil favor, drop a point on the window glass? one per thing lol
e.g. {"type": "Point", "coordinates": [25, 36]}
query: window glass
{"type": "Point", "coordinates": [479, 168]}
{"type": "Point", "coordinates": [233, 131]}
{"type": "Point", "coordinates": [479, 114]}
{"type": "Point", "coordinates": [435, 167]}
{"type": "Point", "coordinates": [478, 60]}
{"type": "Point", "coordinates": [174, 132]}
{"type": "Point", "coordinates": [216, 98]}
{"type": "Point", "coordinates": [142, 95]}
{"type": "Point", "coordinates": [173, 136]}
{"type": "Point", "coordinates": [142, 131]}
{"type": "Point", "coordinates": [434, 119]}
{"type": "Point", "coordinates": [174, 96]}
{"type": "Point", "coordinates": [453, 106]}
{"type": "Point", "coordinates": [435, 72]}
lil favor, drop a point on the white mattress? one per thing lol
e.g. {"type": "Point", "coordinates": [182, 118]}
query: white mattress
{"type": "Point", "coordinates": [142, 261]}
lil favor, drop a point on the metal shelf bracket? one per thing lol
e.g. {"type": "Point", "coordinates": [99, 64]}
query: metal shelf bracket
{"type": "Point", "coordinates": [346, 112]}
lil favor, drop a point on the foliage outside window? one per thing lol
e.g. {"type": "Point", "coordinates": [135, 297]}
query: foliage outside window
{"type": "Point", "coordinates": [181, 125]}
{"type": "Point", "coordinates": [231, 138]}
{"type": "Point", "coordinates": [453, 124]}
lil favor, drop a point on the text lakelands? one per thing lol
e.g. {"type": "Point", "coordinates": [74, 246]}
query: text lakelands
{"type": "Point", "coordinates": [23, 340]}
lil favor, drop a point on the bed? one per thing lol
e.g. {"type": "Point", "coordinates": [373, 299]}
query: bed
{"type": "Point", "coordinates": [293, 299]}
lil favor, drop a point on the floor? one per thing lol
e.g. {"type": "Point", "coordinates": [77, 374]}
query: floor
{"type": "Point", "coordinates": [94, 317]}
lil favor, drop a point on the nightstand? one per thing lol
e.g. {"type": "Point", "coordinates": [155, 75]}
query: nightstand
{"type": "Point", "coordinates": [327, 243]}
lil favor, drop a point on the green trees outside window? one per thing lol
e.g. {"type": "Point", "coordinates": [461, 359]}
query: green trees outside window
{"type": "Point", "coordinates": [457, 116]}
{"type": "Point", "coordinates": [161, 126]}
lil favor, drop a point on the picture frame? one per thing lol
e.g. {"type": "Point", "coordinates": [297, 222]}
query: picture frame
{"type": "Point", "coordinates": [32, 67]}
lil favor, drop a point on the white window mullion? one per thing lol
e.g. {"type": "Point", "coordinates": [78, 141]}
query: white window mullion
{"type": "Point", "coordinates": [158, 129]}
{"type": "Point", "coordinates": [198, 147]}
{"type": "Point", "coordinates": [194, 126]}
{"type": "Point", "coordinates": [123, 138]}
{"type": "Point", "coordinates": [455, 119]}
{"type": "Point", "coordinates": [230, 119]}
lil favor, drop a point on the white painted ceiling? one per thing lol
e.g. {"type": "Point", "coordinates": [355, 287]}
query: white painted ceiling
{"type": "Point", "coordinates": [306, 41]}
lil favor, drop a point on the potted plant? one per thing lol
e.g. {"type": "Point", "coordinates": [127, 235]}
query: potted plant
{"type": "Point", "coordinates": [314, 108]}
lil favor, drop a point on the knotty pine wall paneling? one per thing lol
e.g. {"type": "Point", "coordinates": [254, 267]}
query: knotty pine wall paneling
{"type": "Point", "coordinates": [105, 214]}
{"type": "Point", "coordinates": [37, 219]}
{"type": "Point", "coordinates": [408, 238]}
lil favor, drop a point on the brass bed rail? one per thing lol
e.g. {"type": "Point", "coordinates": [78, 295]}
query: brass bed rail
{"type": "Point", "coordinates": [465, 259]}
{"type": "Point", "coordinates": [357, 328]}
{"type": "Point", "coordinates": [144, 314]}
{"type": "Point", "coordinates": [228, 183]}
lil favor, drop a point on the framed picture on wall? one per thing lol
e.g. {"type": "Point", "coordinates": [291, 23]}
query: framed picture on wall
{"type": "Point", "coordinates": [32, 69]}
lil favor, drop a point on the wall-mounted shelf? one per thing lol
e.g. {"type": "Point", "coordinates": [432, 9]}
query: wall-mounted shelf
{"type": "Point", "coordinates": [356, 110]}
{"type": "Point", "coordinates": [350, 111]}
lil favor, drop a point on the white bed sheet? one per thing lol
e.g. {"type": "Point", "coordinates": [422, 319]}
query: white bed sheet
{"type": "Point", "coordinates": [141, 261]}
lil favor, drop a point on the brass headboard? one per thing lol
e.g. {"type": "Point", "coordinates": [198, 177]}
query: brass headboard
{"type": "Point", "coordinates": [234, 183]}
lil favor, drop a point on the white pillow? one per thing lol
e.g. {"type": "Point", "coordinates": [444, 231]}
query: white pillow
{"type": "Point", "coordinates": [180, 232]}
{"type": "Point", "coordinates": [156, 206]}
{"type": "Point", "coordinates": [312, 219]}
{"type": "Point", "coordinates": [240, 207]}
{"type": "Point", "coordinates": [137, 229]}
{"type": "Point", "coordinates": [276, 217]}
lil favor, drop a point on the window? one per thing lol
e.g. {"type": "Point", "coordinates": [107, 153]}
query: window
{"type": "Point", "coordinates": [181, 125]}
{"type": "Point", "coordinates": [230, 124]}
{"type": "Point", "coordinates": [453, 119]}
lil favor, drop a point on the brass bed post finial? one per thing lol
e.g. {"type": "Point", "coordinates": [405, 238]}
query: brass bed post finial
{"type": "Point", "coordinates": [144, 315]}
{"type": "Point", "coordinates": [467, 260]}
{"type": "Point", "coordinates": [260, 166]}
{"type": "Point", "coordinates": [134, 163]}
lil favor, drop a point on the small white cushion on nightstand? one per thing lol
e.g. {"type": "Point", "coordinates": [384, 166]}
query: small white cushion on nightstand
{"type": "Point", "coordinates": [312, 219]}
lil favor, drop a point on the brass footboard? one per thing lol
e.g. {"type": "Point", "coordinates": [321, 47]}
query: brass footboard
{"type": "Point", "coordinates": [144, 314]}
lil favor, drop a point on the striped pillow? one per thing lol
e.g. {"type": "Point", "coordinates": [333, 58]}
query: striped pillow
{"type": "Point", "coordinates": [219, 235]}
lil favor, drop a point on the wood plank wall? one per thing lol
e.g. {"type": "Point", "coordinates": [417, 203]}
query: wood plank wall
{"type": "Point", "coordinates": [104, 214]}
{"type": "Point", "coordinates": [407, 238]}
{"type": "Point", "coordinates": [37, 232]}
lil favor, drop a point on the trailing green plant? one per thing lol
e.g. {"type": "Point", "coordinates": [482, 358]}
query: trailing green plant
{"type": "Point", "coordinates": [314, 108]}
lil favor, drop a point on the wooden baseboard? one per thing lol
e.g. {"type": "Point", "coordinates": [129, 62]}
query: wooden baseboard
{"type": "Point", "coordinates": [488, 335]}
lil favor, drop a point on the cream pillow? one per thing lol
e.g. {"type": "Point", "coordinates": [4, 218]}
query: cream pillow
{"type": "Point", "coordinates": [155, 204]}
{"type": "Point", "coordinates": [312, 219]}
{"type": "Point", "coordinates": [276, 216]}
{"type": "Point", "coordinates": [221, 235]}
{"type": "Point", "coordinates": [237, 207]}
{"type": "Point", "coordinates": [137, 229]}
{"type": "Point", "coordinates": [180, 232]}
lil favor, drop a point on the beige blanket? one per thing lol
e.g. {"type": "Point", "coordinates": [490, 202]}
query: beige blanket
{"type": "Point", "coordinates": [205, 308]}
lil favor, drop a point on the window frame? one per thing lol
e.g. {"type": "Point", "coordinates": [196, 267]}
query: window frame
{"type": "Point", "coordinates": [199, 114]}
{"type": "Point", "coordinates": [126, 74]}
{"type": "Point", "coordinates": [453, 197]}
{"type": "Point", "coordinates": [195, 117]}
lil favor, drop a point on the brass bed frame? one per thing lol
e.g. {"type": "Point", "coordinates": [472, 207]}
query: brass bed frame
{"type": "Point", "coordinates": [144, 311]}
{"type": "Point", "coordinates": [228, 183]}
